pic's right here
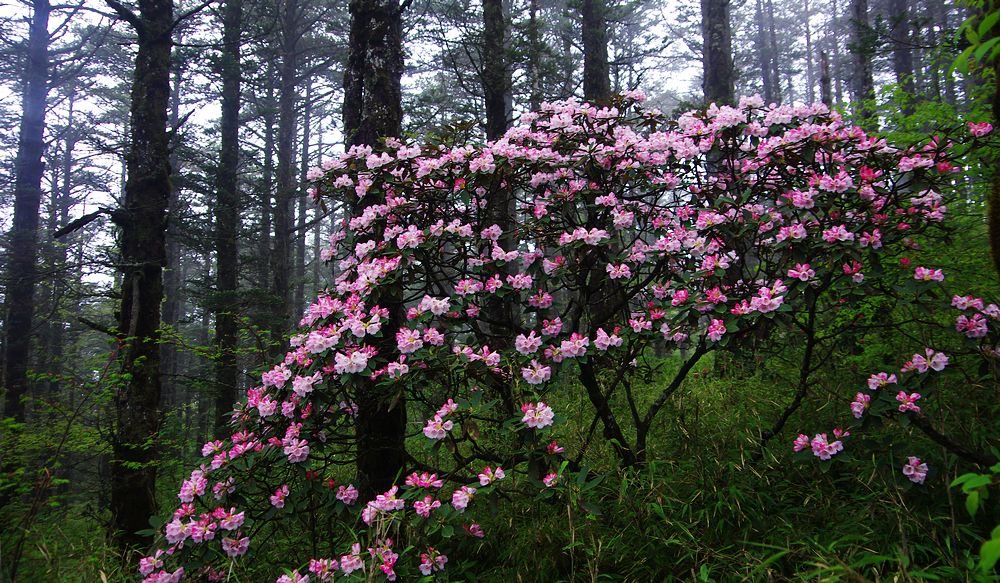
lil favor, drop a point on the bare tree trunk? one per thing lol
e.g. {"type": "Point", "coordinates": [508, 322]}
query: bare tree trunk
{"type": "Point", "coordinates": [22, 272]}
{"type": "Point", "coordinates": [494, 75]}
{"type": "Point", "coordinates": [281, 250]}
{"type": "Point", "coordinates": [810, 76]}
{"type": "Point", "coordinates": [373, 109]}
{"type": "Point", "coordinates": [172, 283]}
{"type": "Point", "coordinates": [227, 219]}
{"type": "Point", "coordinates": [763, 53]}
{"type": "Point", "coordinates": [596, 76]}
{"type": "Point", "coordinates": [862, 49]}
{"type": "Point", "coordinates": [773, 50]}
{"type": "Point", "coordinates": [719, 81]}
{"type": "Point", "coordinates": [902, 53]}
{"type": "Point", "coordinates": [534, 58]}
{"type": "Point", "coordinates": [826, 94]}
{"type": "Point", "coordinates": [834, 38]}
{"type": "Point", "coordinates": [298, 299]}
{"type": "Point", "coordinates": [143, 223]}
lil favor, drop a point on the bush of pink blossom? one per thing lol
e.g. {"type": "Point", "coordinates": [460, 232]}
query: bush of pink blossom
{"type": "Point", "coordinates": [632, 233]}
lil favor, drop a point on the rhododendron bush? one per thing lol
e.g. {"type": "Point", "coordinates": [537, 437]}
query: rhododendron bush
{"type": "Point", "coordinates": [631, 234]}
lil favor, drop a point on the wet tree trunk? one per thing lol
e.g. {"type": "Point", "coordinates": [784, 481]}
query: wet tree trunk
{"type": "Point", "coordinates": [22, 271]}
{"type": "Point", "coordinates": [495, 78]}
{"type": "Point", "coordinates": [825, 91]}
{"type": "Point", "coordinates": [227, 219]}
{"type": "Point", "coordinates": [596, 76]}
{"type": "Point", "coordinates": [810, 75]}
{"type": "Point", "coordinates": [902, 52]}
{"type": "Point", "coordinates": [719, 78]}
{"type": "Point", "coordinates": [373, 109]}
{"type": "Point", "coordinates": [764, 54]}
{"type": "Point", "coordinates": [143, 226]}
{"type": "Point", "coordinates": [862, 49]}
{"type": "Point", "coordinates": [281, 250]}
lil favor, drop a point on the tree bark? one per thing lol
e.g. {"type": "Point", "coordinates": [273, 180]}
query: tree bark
{"type": "Point", "coordinates": [810, 75]}
{"type": "Point", "coordinates": [862, 49]}
{"type": "Point", "coordinates": [596, 76]}
{"type": "Point", "coordinates": [143, 223]}
{"type": "Point", "coordinates": [719, 78]}
{"type": "Point", "coordinates": [22, 272]}
{"type": "Point", "coordinates": [763, 53]}
{"type": "Point", "coordinates": [227, 219]}
{"type": "Point", "coordinates": [825, 91]}
{"type": "Point", "coordinates": [902, 52]}
{"type": "Point", "coordinates": [495, 78]}
{"type": "Point", "coordinates": [373, 109]}
{"type": "Point", "coordinates": [291, 33]}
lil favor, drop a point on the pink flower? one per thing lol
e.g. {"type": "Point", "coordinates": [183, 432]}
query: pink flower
{"type": "Point", "coordinates": [348, 495]}
{"type": "Point", "coordinates": [974, 327]}
{"type": "Point", "coordinates": [979, 130]}
{"type": "Point", "coordinates": [488, 476]}
{"type": "Point", "coordinates": [527, 344]}
{"type": "Point", "coordinates": [802, 272]}
{"type": "Point", "coordinates": [550, 479]}
{"type": "Point", "coordinates": [425, 506]}
{"type": "Point", "coordinates": [432, 561]}
{"type": "Point", "coordinates": [935, 361]}
{"type": "Point", "coordinates": [823, 449]}
{"type": "Point", "coordinates": [293, 578]}
{"type": "Point", "coordinates": [537, 416]}
{"type": "Point", "coordinates": [915, 470]}
{"type": "Point", "coordinates": [554, 448]}
{"type": "Point", "coordinates": [460, 498]}
{"type": "Point", "coordinates": [860, 404]}
{"type": "Point", "coordinates": [352, 562]}
{"type": "Point", "coordinates": [474, 530]}
{"type": "Point", "coordinates": [278, 498]}
{"type": "Point", "coordinates": [603, 341]}
{"type": "Point", "coordinates": [801, 442]}
{"type": "Point", "coordinates": [907, 402]}
{"type": "Point", "coordinates": [324, 569]}
{"type": "Point", "coordinates": [235, 547]}
{"type": "Point", "coordinates": [424, 480]}
{"type": "Point", "coordinates": [880, 381]}
{"type": "Point", "coordinates": [716, 330]}
{"type": "Point", "coordinates": [925, 274]}
{"type": "Point", "coordinates": [437, 428]}
{"type": "Point", "coordinates": [536, 374]}
{"type": "Point", "coordinates": [297, 450]}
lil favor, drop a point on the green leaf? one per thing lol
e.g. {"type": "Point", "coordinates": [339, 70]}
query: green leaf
{"type": "Point", "coordinates": [987, 23]}
{"type": "Point", "coordinates": [972, 503]}
{"type": "Point", "coordinates": [988, 554]}
{"type": "Point", "coordinates": [961, 63]}
{"type": "Point", "coordinates": [986, 46]}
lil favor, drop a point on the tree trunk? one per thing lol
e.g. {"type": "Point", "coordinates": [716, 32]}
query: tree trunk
{"type": "Point", "coordinates": [534, 58]}
{"type": "Point", "coordinates": [373, 109]}
{"type": "Point", "coordinates": [902, 53]}
{"type": "Point", "coordinates": [862, 49]}
{"type": "Point", "coordinates": [143, 223]}
{"type": "Point", "coordinates": [719, 80]}
{"type": "Point", "coordinates": [825, 92]}
{"type": "Point", "coordinates": [810, 76]}
{"type": "Point", "coordinates": [773, 50]}
{"type": "Point", "coordinates": [281, 250]}
{"type": "Point", "coordinates": [763, 53]}
{"type": "Point", "coordinates": [299, 297]}
{"type": "Point", "coordinates": [596, 78]}
{"type": "Point", "coordinates": [227, 219]}
{"type": "Point", "coordinates": [495, 78]}
{"type": "Point", "coordinates": [22, 271]}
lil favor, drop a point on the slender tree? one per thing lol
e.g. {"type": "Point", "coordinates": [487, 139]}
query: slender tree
{"type": "Point", "coordinates": [227, 216]}
{"type": "Point", "coordinates": [902, 50]}
{"type": "Point", "coordinates": [22, 273]}
{"type": "Point", "coordinates": [862, 50]}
